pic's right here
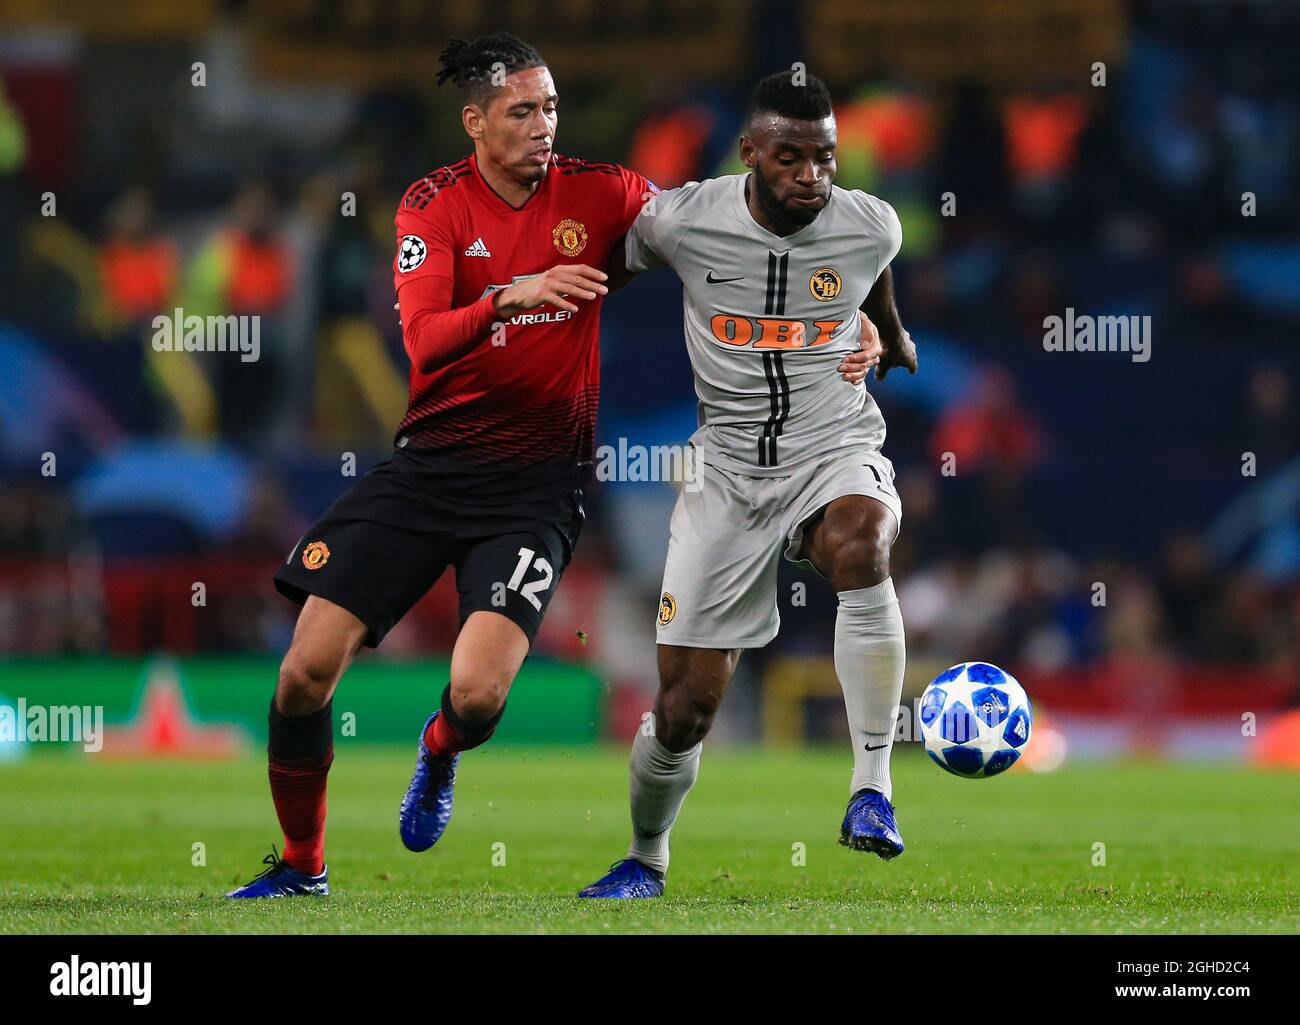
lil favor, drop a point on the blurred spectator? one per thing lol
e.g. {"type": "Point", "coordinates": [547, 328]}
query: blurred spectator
{"type": "Point", "coordinates": [246, 269]}
{"type": "Point", "coordinates": [138, 264]}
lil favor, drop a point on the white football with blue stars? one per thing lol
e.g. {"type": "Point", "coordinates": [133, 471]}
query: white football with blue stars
{"type": "Point", "coordinates": [975, 720]}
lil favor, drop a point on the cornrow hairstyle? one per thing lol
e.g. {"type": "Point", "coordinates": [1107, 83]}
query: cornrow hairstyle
{"type": "Point", "coordinates": [470, 64]}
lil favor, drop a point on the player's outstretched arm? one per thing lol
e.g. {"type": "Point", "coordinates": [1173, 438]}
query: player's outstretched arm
{"type": "Point", "coordinates": [899, 350]}
{"type": "Point", "coordinates": [556, 286]}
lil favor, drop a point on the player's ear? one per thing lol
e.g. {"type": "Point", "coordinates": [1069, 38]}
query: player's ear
{"type": "Point", "coordinates": [748, 153]}
{"type": "Point", "coordinates": [473, 120]}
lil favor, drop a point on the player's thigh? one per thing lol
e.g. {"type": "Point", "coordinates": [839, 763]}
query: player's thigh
{"type": "Point", "coordinates": [325, 640]}
{"type": "Point", "coordinates": [847, 503]}
{"type": "Point", "coordinates": [719, 585]}
{"type": "Point", "coordinates": [850, 542]}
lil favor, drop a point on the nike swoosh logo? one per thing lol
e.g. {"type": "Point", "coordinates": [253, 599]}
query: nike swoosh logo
{"type": "Point", "coordinates": [720, 281]}
{"type": "Point", "coordinates": [877, 747]}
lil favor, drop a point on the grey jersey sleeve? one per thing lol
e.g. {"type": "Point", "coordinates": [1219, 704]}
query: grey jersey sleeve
{"type": "Point", "coordinates": [881, 223]}
{"type": "Point", "coordinates": [653, 238]}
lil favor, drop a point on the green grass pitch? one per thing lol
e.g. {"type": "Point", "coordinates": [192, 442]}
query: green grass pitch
{"type": "Point", "coordinates": [101, 847]}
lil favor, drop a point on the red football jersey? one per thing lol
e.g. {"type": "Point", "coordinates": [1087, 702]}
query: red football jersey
{"type": "Point", "coordinates": [516, 411]}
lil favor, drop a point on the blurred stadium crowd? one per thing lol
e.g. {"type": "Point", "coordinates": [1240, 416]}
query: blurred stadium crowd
{"type": "Point", "coordinates": [1171, 188]}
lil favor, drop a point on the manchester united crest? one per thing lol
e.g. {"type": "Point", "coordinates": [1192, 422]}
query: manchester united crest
{"type": "Point", "coordinates": [570, 237]}
{"type": "Point", "coordinates": [824, 284]}
{"type": "Point", "coordinates": [315, 555]}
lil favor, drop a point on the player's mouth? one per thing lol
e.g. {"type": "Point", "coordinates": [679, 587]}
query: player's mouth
{"type": "Point", "coordinates": [808, 202]}
{"type": "Point", "coordinates": [540, 155]}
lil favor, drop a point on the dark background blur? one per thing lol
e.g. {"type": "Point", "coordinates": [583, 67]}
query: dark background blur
{"type": "Point", "coordinates": [1172, 190]}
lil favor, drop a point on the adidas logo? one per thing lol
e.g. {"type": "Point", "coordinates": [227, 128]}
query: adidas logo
{"type": "Point", "coordinates": [478, 248]}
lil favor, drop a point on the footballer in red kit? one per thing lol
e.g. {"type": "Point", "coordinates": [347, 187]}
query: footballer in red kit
{"type": "Point", "coordinates": [499, 270]}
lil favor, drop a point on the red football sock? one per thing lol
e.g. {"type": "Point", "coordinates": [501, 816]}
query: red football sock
{"type": "Point", "coordinates": [298, 790]}
{"type": "Point", "coordinates": [441, 739]}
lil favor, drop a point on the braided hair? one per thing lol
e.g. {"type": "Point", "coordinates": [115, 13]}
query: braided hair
{"type": "Point", "coordinates": [471, 64]}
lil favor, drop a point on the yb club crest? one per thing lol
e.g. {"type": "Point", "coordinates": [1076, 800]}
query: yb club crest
{"type": "Point", "coordinates": [667, 609]}
{"type": "Point", "coordinates": [570, 237]}
{"type": "Point", "coordinates": [825, 284]}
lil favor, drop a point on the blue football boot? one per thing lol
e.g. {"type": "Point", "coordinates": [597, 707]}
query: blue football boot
{"type": "Point", "coordinates": [869, 825]}
{"type": "Point", "coordinates": [627, 878]}
{"type": "Point", "coordinates": [426, 808]}
{"type": "Point", "coordinates": [280, 879]}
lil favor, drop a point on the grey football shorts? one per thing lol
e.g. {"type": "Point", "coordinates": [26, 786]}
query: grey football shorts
{"type": "Point", "coordinates": [727, 536]}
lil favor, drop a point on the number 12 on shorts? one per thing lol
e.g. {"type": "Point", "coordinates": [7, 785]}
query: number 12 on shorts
{"type": "Point", "coordinates": [530, 591]}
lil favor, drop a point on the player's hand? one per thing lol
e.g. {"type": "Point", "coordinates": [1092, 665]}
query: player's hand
{"type": "Point", "coordinates": [899, 352]}
{"type": "Point", "coordinates": [855, 365]}
{"type": "Point", "coordinates": [556, 287]}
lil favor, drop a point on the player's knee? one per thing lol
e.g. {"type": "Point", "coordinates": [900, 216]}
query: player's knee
{"type": "Point", "coordinates": [863, 562]}
{"type": "Point", "coordinates": [306, 682]}
{"type": "Point", "coordinates": [478, 697]}
{"type": "Point", "coordinates": [685, 716]}
{"type": "Point", "coordinates": [860, 555]}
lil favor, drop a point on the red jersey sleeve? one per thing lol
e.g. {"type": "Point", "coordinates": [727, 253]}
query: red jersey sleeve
{"type": "Point", "coordinates": [433, 333]}
{"type": "Point", "coordinates": [637, 189]}
{"type": "Point", "coordinates": [424, 246]}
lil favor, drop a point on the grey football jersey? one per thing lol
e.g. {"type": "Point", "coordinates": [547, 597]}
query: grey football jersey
{"type": "Point", "coordinates": [768, 319]}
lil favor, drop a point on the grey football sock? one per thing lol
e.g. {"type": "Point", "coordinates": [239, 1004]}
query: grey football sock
{"type": "Point", "coordinates": [869, 660]}
{"type": "Point", "coordinates": [660, 781]}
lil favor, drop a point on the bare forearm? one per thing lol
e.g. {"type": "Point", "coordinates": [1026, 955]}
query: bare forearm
{"type": "Point", "coordinates": [880, 307]}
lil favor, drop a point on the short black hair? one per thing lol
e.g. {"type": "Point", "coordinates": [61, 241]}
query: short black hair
{"type": "Point", "coordinates": [469, 63]}
{"type": "Point", "coordinates": [808, 99]}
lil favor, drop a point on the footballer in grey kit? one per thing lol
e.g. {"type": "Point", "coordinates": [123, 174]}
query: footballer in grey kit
{"type": "Point", "coordinates": [784, 275]}
{"type": "Point", "coordinates": [768, 319]}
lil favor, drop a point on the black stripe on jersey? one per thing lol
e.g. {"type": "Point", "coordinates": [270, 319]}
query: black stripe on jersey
{"type": "Point", "coordinates": [781, 379]}
{"type": "Point", "coordinates": [428, 186]}
{"type": "Point", "coordinates": [776, 274]}
{"type": "Point", "coordinates": [437, 186]}
{"type": "Point", "coordinates": [600, 168]}
{"type": "Point", "coordinates": [778, 388]}
{"type": "Point", "coordinates": [765, 437]}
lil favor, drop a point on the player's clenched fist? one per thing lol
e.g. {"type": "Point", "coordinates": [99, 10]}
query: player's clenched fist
{"type": "Point", "coordinates": [855, 365]}
{"type": "Point", "coordinates": [554, 286]}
